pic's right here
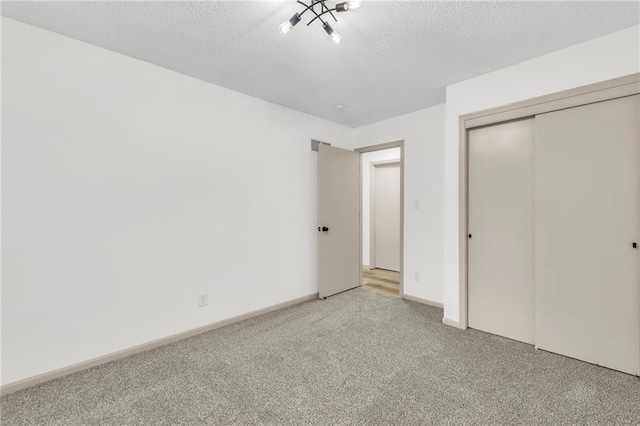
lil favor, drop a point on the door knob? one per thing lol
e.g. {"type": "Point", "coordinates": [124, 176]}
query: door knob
{"type": "Point", "coordinates": [325, 229]}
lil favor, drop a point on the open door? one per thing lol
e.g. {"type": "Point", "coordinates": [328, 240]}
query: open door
{"type": "Point", "coordinates": [338, 220]}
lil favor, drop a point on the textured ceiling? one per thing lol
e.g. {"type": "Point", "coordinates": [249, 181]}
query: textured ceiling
{"type": "Point", "coordinates": [396, 56]}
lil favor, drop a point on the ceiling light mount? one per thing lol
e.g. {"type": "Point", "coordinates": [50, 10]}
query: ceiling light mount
{"type": "Point", "coordinates": [323, 9]}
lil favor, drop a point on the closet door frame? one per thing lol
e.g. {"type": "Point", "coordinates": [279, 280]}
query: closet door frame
{"type": "Point", "coordinates": [598, 92]}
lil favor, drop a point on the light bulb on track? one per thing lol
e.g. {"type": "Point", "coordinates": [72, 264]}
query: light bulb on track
{"type": "Point", "coordinates": [334, 35]}
{"type": "Point", "coordinates": [342, 7]}
{"type": "Point", "coordinates": [355, 4]}
{"type": "Point", "coordinates": [287, 26]}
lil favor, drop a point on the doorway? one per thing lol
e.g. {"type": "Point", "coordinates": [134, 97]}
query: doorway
{"type": "Point", "coordinates": [381, 220]}
{"type": "Point", "coordinates": [344, 220]}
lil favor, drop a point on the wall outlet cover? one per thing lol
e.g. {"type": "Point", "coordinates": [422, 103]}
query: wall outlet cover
{"type": "Point", "coordinates": [203, 300]}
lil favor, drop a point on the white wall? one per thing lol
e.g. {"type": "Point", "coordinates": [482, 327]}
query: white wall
{"type": "Point", "coordinates": [153, 178]}
{"type": "Point", "coordinates": [366, 159]}
{"type": "Point", "coordinates": [130, 189]}
{"type": "Point", "coordinates": [604, 58]}
{"type": "Point", "coordinates": [423, 135]}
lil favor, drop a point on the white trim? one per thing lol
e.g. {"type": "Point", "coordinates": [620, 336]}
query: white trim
{"type": "Point", "coordinates": [452, 323]}
{"type": "Point", "coordinates": [386, 163]}
{"type": "Point", "coordinates": [424, 301]}
{"type": "Point", "coordinates": [616, 88]}
{"type": "Point", "coordinates": [65, 371]}
{"type": "Point", "coordinates": [372, 216]}
{"type": "Point", "coordinates": [379, 147]}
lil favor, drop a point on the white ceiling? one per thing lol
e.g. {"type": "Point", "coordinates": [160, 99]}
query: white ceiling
{"type": "Point", "coordinates": [396, 56]}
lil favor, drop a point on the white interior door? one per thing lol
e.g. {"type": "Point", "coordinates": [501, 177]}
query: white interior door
{"type": "Point", "coordinates": [386, 203]}
{"type": "Point", "coordinates": [501, 227]}
{"type": "Point", "coordinates": [587, 214]}
{"type": "Point", "coordinates": [339, 265]}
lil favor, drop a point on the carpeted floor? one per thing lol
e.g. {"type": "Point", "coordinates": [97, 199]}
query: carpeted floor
{"type": "Point", "coordinates": [357, 358]}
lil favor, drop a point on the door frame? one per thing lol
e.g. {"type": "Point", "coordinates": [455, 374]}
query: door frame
{"type": "Point", "coordinates": [372, 211]}
{"type": "Point", "coordinates": [380, 147]}
{"type": "Point", "coordinates": [603, 91]}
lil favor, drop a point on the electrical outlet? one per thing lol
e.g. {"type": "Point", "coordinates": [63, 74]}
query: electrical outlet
{"type": "Point", "coordinates": [203, 300]}
{"type": "Point", "coordinates": [416, 277]}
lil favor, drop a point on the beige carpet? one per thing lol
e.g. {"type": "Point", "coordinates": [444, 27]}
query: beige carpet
{"type": "Point", "coordinates": [357, 358]}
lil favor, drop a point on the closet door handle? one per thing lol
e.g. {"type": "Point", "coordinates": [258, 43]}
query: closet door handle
{"type": "Point", "coordinates": [635, 245]}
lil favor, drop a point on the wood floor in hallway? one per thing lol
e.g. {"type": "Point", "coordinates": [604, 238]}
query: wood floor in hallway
{"type": "Point", "coordinates": [382, 280]}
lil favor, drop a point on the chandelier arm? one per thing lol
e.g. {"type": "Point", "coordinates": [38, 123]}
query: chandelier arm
{"type": "Point", "coordinates": [306, 7]}
{"type": "Point", "coordinates": [313, 5]}
{"type": "Point", "coordinates": [324, 6]}
{"type": "Point", "coordinates": [310, 7]}
{"type": "Point", "coordinates": [319, 16]}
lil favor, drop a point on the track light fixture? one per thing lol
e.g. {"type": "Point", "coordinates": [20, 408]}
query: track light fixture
{"type": "Point", "coordinates": [323, 9]}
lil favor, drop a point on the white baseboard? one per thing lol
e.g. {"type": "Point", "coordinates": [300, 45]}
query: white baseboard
{"type": "Point", "coordinates": [423, 301]}
{"type": "Point", "coordinates": [452, 323]}
{"type": "Point", "coordinates": [65, 371]}
{"type": "Point", "coordinates": [366, 268]}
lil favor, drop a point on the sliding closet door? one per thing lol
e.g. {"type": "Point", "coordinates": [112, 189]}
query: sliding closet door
{"type": "Point", "coordinates": [501, 247]}
{"type": "Point", "coordinates": [587, 219]}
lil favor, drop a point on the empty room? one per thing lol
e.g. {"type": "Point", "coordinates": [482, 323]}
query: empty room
{"type": "Point", "coordinates": [320, 212]}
